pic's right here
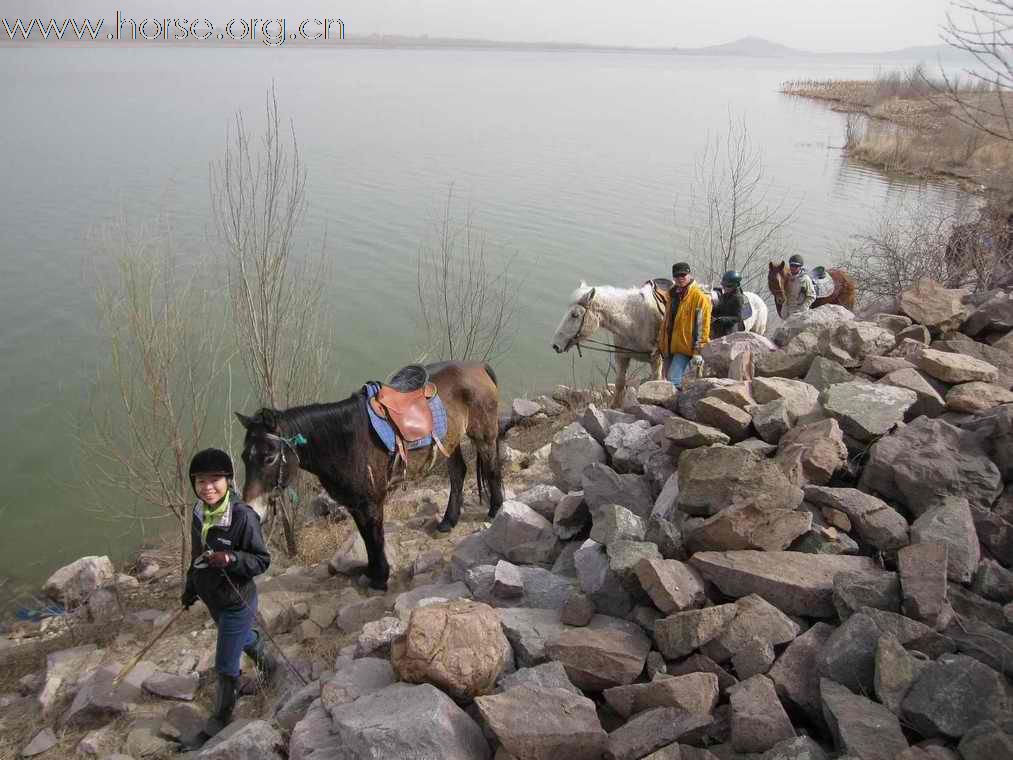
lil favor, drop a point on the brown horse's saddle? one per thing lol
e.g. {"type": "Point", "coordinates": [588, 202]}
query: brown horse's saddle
{"type": "Point", "coordinates": [660, 287]}
{"type": "Point", "coordinates": [404, 402]}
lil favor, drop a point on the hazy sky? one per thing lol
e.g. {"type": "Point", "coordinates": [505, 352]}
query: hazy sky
{"type": "Point", "coordinates": [819, 25]}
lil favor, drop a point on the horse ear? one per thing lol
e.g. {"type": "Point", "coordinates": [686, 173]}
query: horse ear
{"type": "Point", "coordinates": [244, 420]}
{"type": "Point", "coordinates": [770, 266]}
{"type": "Point", "coordinates": [587, 297]}
{"type": "Point", "coordinates": [269, 419]}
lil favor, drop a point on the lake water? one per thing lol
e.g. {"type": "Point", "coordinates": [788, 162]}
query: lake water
{"type": "Point", "coordinates": [578, 163]}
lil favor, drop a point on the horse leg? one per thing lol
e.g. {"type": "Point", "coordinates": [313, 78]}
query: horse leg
{"type": "Point", "coordinates": [622, 364]}
{"type": "Point", "coordinates": [489, 473]}
{"type": "Point", "coordinates": [457, 469]}
{"type": "Point", "coordinates": [656, 366]}
{"type": "Point", "coordinates": [368, 518]}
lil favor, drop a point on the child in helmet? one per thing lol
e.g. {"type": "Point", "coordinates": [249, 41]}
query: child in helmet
{"type": "Point", "coordinates": [727, 313]}
{"type": "Point", "coordinates": [228, 551]}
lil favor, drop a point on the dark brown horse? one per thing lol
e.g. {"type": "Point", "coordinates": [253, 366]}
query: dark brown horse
{"type": "Point", "coordinates": [336, 443]}
{"type": "Point", "coordinates": [843, 295]}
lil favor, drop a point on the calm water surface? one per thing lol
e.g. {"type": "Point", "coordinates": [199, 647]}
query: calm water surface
{"type": "Point", "coordinates": [580, 164]}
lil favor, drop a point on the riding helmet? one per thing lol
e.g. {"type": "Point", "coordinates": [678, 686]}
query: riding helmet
{"type": "Point", "coordinates": [731, 279]}
{"type": "Point", "coordinates": [795, 259]}
{"type": "Point", "coordinates": [211, 462]}
{"type": "Point", "coordinates": [680, 267]}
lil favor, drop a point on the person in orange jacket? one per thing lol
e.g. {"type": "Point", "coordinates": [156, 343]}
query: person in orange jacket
{"type": "Point", "coordinates": [679, 347]}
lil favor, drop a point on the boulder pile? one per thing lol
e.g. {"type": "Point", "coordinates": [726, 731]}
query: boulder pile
{"type": "Point", "coordinates": [814, 563]}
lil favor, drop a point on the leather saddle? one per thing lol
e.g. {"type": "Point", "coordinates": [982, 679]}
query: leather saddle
{"type": "Point", "coordinates": [404, 402]}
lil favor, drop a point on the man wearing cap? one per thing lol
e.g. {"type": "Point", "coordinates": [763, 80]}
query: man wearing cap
{"type": "Point", "coordinates": [799, 290]}
{"type": "Point", "coordinates": [678, 339]}
{"type": "Point", "coordinates": [227, 552]}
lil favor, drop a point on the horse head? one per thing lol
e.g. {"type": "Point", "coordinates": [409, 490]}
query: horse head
{"type": "Point", "coordinates": [579, 322]}
{"type": "Point", "coordinates": [775, 283]}
{"type": "Point", "coordinates": [270, 458]}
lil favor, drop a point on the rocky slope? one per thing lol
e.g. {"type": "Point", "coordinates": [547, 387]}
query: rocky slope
{"type": "Point", "coordinates": [811, 558]}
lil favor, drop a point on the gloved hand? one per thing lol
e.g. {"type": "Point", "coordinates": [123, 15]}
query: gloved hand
{"type": "Point", "coordinates": [219, 559]}
{"type": "Point", "coordinates": [696, 362]}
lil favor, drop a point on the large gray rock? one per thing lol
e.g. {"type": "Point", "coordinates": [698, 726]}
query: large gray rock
{"type": "Point", "coordinates": [896, 669]}
{"type": "Point", "coordinates": [949, 522]}
{"type": "Point", "coordinates": [772, 420]}
{"type": "Point", "coordinates": [672, 585]}
{"type": "Point", "coordinates": [878, 366]}
{"type": "Point", "coordinates": [72, 584]}
{"type": "Point", "coordinates": [602, 485]}
{"type": "Point", "coordinates": [409, 600]}
{"type": "Point", "coordinates": [994, 355]}
{"type": "Point", "coordinates": [867, 410]}
{"type": "Point", "coordinates": [597, 659]}
{"type": "Point", "coordinates": [544, 723]}
{"type": "Point", "coordinates": [993, 581]}
{"type": "Point", "coordinates": [652, 730]}
{"type": "Point", "coordinates": [995, 315]}
{"type": "Point", "coordinates": [922, 570]}
{"type": "Point", "coordinates": [542, 498]}
{"type": "Point", "coordinates": [694, 692]}
{"type": "Point", "coordinates": [748, 527]}
{"type": "Point", "coordinates": [679, 634]}
{"type": "Point", "coordinates": [758, 719]}
{"type": "Point", "coordinates": [600, 581]}
{"type": "Point", "coordinates": [245, 740]}
{"type": "Point", "coordinates": [801, 399]}
{"type": "Point", "coordinates": [596, 423]}
{"type": "Point", "coordinates": [930, 304]}
{"type": "Point", "coordinates": [521, 535]}
{"type": "Point", "coordinates": [995, 432]}
{"type": "Point", "coordinates": [756, 620]}
{"type": "Point", "coordinates": [987, 741]}
{"type": "Point", "coordinates": [626, 436]}
{"type": "Point", "coordinates": [407, 721]}
{"type": "Point", "coordinates": [975, 398]}
{"type": "Point", "coordinates": [861, 727]}
{"type": "Point", "coordinates": [929, 459]}
{"type": "Point", "coordinates": [815, 451]}
{"type": "Point", "coordinates": [852, 592]}
{"type": "Point", "coordinates": [65, 668]}
{"type": "Point", "coordinates": [796, 674]}
{"type": "Point", "coordinates": [956, 368]}
{"type": "Point", "coordinates": [100, 699]}
{"type": "Point", "coordinates": [571, 516]}
{"type": "Point", "coordinates": [687, 434]}
{"type": "Point", "coordinates": [795, 583]}
{"type": "Point", "coordinates": [615, 523]}
{"type": "Point", "coordinates": [813, 321]}
{"type": "Point", "coordinates": [861, 339]}
{"type": "Point", "coordinates": [657, 393]}
{"type": "Point", "coordinates": [849, 655]}
{"type": "Point", "coordinates": [730, 420]}
{"type": "Point", "coordinates": [878, 524]}
{"type": "Point", "coordinates": [716, 477]}
{"type": "Point", "coordinates": [823, 373]}
{"type": "Point", "coordinates": [470, 552]}
{"type": "Point", "coordinates": [952, 695]}
{"type": "Point", "coordinates": [692, 394]}
{"type": "Point", "coordinates": [789, 364]}
{"type": "Point", "coordinates": [506, 585]}
{"type": "Point", "coordinates": [573, 449]}
{"type": "Point", "coordinates": [930, 402]}
{"type": "Point", "coordinates": [717, 354]}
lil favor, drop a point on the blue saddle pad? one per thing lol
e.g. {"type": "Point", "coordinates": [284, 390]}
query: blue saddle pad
{"type": "Point", "coordinates": [385, 431]}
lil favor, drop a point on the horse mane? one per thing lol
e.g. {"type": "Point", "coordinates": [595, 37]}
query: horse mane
{"type": "Point", "coordinates": [606, 290]}
{"type": "Point", "coordinates": [336, 432]}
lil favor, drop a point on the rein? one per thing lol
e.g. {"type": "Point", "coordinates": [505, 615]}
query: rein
{"type": "Point", "coordinates": [606, 348]}
{"type": "Point", "coordinates": [286, 443]}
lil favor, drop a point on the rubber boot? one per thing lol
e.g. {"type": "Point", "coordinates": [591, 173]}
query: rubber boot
{"type": "Point", "coordinates": [225, 702]}
{"type": "Point", "coordinates": [265, 662]}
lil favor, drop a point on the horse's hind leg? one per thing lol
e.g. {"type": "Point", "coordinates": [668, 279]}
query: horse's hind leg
{"type": "Point", "coordinates": [490, 475]}
{"type": "Point", "coordinates": [622, 365]}
{"type": "Point", "coordinates": [368, 518]}
{"type": "Point", "coordinates": [457, 468]}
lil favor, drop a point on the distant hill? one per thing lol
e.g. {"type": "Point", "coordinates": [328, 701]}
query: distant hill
{"type": "Point", "coordinates": [757, 47]}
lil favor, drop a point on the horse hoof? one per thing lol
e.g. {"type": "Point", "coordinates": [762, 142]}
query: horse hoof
{"type": "Point", "coordinates": [444, 527]}
{"type": "Point", "coordinates": [378, 585]}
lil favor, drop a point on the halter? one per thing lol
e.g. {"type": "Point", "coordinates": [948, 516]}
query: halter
{"type": "Point", "coordinates": [608, 348]}
{"type": "Point", "coordinates": [286, 443]}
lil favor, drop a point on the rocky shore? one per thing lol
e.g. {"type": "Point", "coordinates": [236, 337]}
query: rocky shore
{"type": "Point", "coordinates": [807, 555]}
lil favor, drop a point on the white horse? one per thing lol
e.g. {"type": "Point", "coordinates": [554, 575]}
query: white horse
{"type": "Point", "coordinates": [633, 316]}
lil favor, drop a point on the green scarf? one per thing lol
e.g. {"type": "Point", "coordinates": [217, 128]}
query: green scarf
{"type": "Point", "coordinates": [212, 515]}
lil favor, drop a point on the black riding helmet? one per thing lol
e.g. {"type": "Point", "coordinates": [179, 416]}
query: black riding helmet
{"type": "Point", "coordinates": [731, 279]}
{"type": "Point", "coordinates": [678, 268]}
{"type": "Point", "coordinates": [211, 462]}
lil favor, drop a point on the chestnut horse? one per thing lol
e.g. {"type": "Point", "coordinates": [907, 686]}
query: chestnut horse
{"type": "Point", "coordinates": [336, 443]}
{"type": "Point", "coordinates": [843, 295]}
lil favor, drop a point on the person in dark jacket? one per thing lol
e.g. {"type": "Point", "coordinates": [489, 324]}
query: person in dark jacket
{"type": "Point", "coordinates": [727, 313]}
{"type": "Point", "coordinates": [227, 552]}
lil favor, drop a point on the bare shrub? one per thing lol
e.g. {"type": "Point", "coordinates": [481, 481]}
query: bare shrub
{"type": "Point", "coordinates": [466, 300]}
{"type": "Point", "coordinates": [737, 222]}
{"type": "Point", "coordinates": [161, 322]}
{"type": "Point", "coordinates": [276, 293]}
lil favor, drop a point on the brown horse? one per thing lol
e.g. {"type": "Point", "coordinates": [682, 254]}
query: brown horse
{"type": "Point", "coordinates": [843, 295]}
{"type": "Point", "coordinates": [337, 444]}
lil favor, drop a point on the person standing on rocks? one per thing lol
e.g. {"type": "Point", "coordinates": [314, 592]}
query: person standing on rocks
{"type": "Point", "coordinates": [729, 307]}
{"type": "Point", "coordinates": [227, 552]}
{"type": "Point", "coordinates": [679, 340]}
{"type": "Point", "coordinates": [799, 290]}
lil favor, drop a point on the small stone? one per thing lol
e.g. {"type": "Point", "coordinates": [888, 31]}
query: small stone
{"type": "Point", "coordinates": [578, 610]}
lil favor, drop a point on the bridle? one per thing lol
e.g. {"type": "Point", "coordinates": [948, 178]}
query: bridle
{"type": "Point", "coordinates": [605, 347]}
{"type": "Point", "coordinates": [286, 444]}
